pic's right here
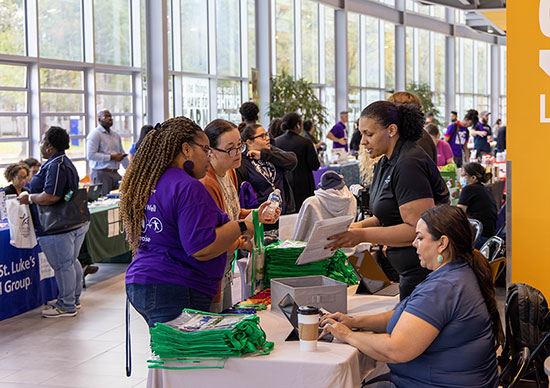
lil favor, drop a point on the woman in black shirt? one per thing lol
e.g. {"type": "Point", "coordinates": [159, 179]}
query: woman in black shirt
{"type": "Point", "coordinates": [406, 183]}
{"type": "Point", "coordinates": [17, 174]}
{"type": "Point", "coordinates": [477, 201]}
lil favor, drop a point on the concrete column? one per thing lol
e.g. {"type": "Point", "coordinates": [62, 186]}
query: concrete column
{"type": "Point", "coordinates": [341, 60]}
{"type": "Point", "coordinates": [264, 56]}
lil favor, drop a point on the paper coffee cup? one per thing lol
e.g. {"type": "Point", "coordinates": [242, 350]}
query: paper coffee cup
{"type": "Point", "coordinates": [308, 327]}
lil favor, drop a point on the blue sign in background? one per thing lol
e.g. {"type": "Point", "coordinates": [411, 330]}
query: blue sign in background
{"type": "Point", "coordinates": [20, 287]}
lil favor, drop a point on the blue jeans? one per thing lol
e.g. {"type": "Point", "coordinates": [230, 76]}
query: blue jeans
{"type": "Point", "coordinates": [62, 251]}
{"type": "Point", "coordinates": [164, 302]}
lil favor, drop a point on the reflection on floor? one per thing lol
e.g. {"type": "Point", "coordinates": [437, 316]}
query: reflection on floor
{"type": "Point", "coordinates": [87, 350]}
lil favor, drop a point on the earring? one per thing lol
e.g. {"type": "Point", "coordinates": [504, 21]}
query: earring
{"type": "Point", "coordinates": [188, 167]}
{"type": "Point", "coordinates": [440, 259]}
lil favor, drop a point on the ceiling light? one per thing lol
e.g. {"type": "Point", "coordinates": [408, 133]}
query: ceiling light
{"type": "Point", "coordinates": [465, 2]}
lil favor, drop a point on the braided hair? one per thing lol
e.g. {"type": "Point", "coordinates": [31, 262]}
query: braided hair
{"type": "Point", "coordinates": [452, 222]}
{"type": "Point", "coordinates": [155, 154]}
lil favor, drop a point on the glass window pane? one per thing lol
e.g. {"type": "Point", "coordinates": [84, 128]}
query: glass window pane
{"type": "Point", "coordinates": [329, 45]}
{"type": "Point", "coordinates": [60, 29]}
{"type": "Point", "coordinates": [439, 11]}
{"type": "Point", "coordinates": [251, 12]}
{"type": "Point", "coordinates": [229, 100]}
{"type": "Point", "coordinates": [228, 42]}
{"type": "Point", "coordinates": [354, 40]}
{"type": "Point", "coordinates": [13, 101]}
{"type": "Point", "coordinates": [61, 79]}
{"type": "Point", "coordinates": [410, 54]}
{"type": "Point", "coordinates": [482, 65]}
{"type": "Point", "coordinates": [354, 105]}
{"type": "Point", "coordinates": [144, 36]}
{"type": "Point", "coordinates": [120, 104]}
{"type": "Point", "coordinates": [112, 32]}
{"type": "Point", "coordinates": [373, 52]}
{"type": "Point", "coordinates": [369, 96]}
{"type": "Point", "coordinates": [389, 55]}
{"type": "Point", "coordinates": [127, 142]}
{"type": "Point", "coordinates": [123, 125]}
{"type": "Point", "coordinates": [13, 76]}
{"type": "Point", "coordinates": [80, 166]}
{"type": "Point", "coordinates": [330, 104]}
{"type": "Point", "coordinates": [439, 65]}
{"type": "Point", "coordinates": [196, 100]}
{"type": "Point", "coordinates": [12, 27]}
{"type": "Point", "coordinates": [468, 63]}
{"type": "Point", "coordinates": [73, 124]}
{"type": "Point", "coordinates": [113, 82]}
{"type": "Point", "coordinates": [424, 56]}
{"type": "Point", "coordinates": [310, 41]}
{"type": "Point", "coordinates": [62, 102]}
{"type": "Point", "coordinates": [12, 151]}
{"type": "Point", "coordinates": [13, 126]}
{"type": "Point", "coordinates": [284, 35]}
{"type": "Point", "coordinates": [170, 36]}
{"type": "Point", "coordinates": [194, 40]}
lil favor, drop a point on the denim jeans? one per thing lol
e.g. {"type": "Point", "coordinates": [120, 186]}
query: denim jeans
{"type": "Point", "coordinates": [62, 250]}
{"type": "Point", "coordinates": [164, 302]}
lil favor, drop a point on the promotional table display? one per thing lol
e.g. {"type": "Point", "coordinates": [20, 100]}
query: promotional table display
{"type": "Point", "coordinates": [280, 262]}
{"type": "Point", "coordinates": [201, 340]}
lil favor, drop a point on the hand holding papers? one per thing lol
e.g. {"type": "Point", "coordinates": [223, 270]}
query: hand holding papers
{"type": "Point", "coordinates": [316, 249]}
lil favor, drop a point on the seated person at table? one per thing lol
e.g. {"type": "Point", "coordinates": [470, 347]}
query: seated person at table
{"type": "Point", "coordinates": [17, 174]}
{"type": "Point", "coordinates": [221, 183]}
{"type": "Point", "coordinates": [178, 235]}
{"type": "Point", "coordinates": [332, 199]}
{"type": "Point", "coordinates": [477, 200]}
{"type": "Point", "coordinates": [446, 332]}
{"type": "Point", "coordinates": [444, 152]}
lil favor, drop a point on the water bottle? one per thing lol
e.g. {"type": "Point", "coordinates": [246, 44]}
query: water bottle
{"type": "Point", "coordinates": [275, 201]}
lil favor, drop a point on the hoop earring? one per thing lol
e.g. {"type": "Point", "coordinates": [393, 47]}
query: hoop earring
{"type": "Point", "coordinates": [440, 259]}
{"type": "Point", "coordinates": [188, 166]}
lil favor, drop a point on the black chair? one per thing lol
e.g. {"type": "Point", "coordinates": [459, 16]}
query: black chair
{"type": "Point", "coordinates": [492, 248]}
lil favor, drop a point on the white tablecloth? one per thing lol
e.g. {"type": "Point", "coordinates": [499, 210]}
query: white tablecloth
{"type": "Point", "coordinates": [333, 365]}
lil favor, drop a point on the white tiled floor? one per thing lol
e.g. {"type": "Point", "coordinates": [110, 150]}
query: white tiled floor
{"type": "Point", "coordinates": [84, 351]}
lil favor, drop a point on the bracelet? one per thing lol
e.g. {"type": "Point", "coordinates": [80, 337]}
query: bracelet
{"type": "Point", "coordinates": [30, 199]}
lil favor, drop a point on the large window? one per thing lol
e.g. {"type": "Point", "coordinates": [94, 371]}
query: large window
{"type": "Point", "coordinates": [60, 29]}
{"type": "Point", "coordinates": [193, 36]}
{"type": "Point", "coordinates": [310, 40]}
{"type": "Point", "coordinates": [12, 27]}
{"type": "Point", "coordinates": [228, 35]}
{"type": "Point", "coordinates": [284, 36]}
{"type": "Point", "coordinates": [473, 78]}
{"type": "Point", "coordinates": [112, 32]}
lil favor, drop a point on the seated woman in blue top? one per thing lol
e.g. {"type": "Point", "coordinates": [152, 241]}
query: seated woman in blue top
{"type": "Point", "coordinates": [446, 332]}
{"type": "Point", "coordinates": [178, 234]}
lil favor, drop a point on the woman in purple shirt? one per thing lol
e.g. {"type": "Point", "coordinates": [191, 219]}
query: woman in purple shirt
{"type": "Point", "coordinates": [445, 334]}
{"type": "Point", "coordinates": [178, 234]}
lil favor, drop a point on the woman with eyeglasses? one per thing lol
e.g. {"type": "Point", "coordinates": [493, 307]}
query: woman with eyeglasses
{"type": "Point", "coordinates": [265, 166]}
{"type": "Point", "coordinates": [221, 183]}
{"type": "Point", "coordinates": [178, 234]}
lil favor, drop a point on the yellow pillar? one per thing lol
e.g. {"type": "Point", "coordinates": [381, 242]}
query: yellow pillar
{"type": "Point", "coordinates": [528, 140]}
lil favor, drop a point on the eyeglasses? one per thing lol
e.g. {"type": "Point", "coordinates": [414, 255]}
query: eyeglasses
{"type": "Point", "coordinates": [233, 151]}
{"type": "Point", "coordinates": [207, 150]}
{"type": "Point", "coordinates": [263, 136]}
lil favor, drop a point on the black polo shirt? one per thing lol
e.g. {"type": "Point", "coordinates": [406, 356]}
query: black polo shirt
{"type": "Point", "coordinates": [409, 174]}
{"type": "Point", "coordinates": [481, 205]}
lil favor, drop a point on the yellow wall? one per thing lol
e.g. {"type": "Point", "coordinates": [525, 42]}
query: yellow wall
{"type": "Point", "coordinates": [528, 141]}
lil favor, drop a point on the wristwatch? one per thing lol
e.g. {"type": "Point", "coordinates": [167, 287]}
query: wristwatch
{"type": "Point", "coordinates": [243, 227]}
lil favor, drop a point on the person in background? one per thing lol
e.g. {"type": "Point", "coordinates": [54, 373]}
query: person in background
{"type": "Point", "coordinates": [332, 199]}
{"type": "Point", "coordinates": [50, 185]}
{"type": "Point", "coordinates": [496, 126]}
{"type": "Point", "coordinates": [444, 151]}
{"type": "Point", "coordinates": [178, 235]}
{"type": "Point", "coordinates": [429, 118]}
{"type": "Point", "coordinates": [446, 333]}
{"type": "Point", "coordinates": [457, 136]}
{"type": "Point", "coordinates": [143, 132]}
{"type": "Point", "coordinates": [265, 167]}
{"type": "Point", "coordinates": [221, 183]}
{"type": "Point", "coordinates": [454, 117]}
{"type": "Point", "coordinates": [105, 153]}
{"type": "Point", "coordinates": [339, 133]}
{"type": "Point", "coordinates": [18, 175]}
{"type": "Point", "coordinates": [425, 140]}
{"type": "Point", "coordinates": [302, 182]}
{"type": "Point", "coordinates": [34, 166]}
{"type": "Point", "coordinates": [249, 113]}
{"type": "Point", "coordinates": [309, 133]}
{"type": "Point", "coordinates": [501, 139]}
{"type": "Point", "coordinates": [406, 183]}
{"type": "Point", "coordinates": [477, 200]}
{"type": "Point", "coordinates": [355, 142]}
{"type": "Point", "coordinates": [483, 135]}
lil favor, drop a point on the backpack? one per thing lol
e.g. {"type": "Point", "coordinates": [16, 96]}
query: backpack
{"type": "Point", "coordinates": [527, 321]}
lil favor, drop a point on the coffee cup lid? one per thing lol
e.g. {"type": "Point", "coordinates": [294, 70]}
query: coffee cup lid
{"type": "Point", "coordinates": [308, 310]}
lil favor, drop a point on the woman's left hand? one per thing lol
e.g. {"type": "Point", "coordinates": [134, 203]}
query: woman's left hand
{"type": "Point", "coordinates": [340, 331]}
{"type": "Point", "coordinates": [268, 220]}
{"type": "Point", "coordinates": [347, 239]}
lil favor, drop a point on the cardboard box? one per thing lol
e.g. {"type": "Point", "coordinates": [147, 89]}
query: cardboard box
{"type": "Point", "coordinates": [318, 291]}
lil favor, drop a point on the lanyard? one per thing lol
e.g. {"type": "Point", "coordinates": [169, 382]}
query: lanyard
{"type": "Point", "coordinates": [266, 170]}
